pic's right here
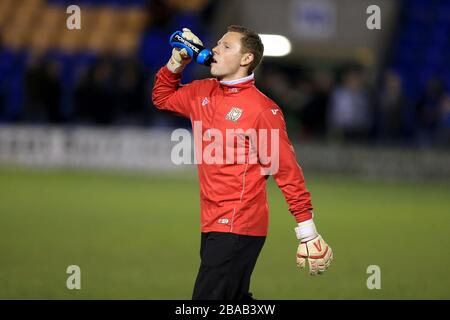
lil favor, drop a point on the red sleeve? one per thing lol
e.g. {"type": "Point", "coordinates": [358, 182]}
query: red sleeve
{"type": "Point", "coordinates": [169, 94]}
{"type": "Point", "coordinates": [288, 174]}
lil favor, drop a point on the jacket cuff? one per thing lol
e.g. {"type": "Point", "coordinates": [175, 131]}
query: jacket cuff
{"type": "Point", "coordinates": [303, 216]}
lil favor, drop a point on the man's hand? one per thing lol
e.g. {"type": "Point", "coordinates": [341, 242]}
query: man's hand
{"type": "Point", "coordinates": [312, 248]}
{"type": "Point", "coordinates": [318, 254]}
{"type": "Point", "coordinates": [180, 57]}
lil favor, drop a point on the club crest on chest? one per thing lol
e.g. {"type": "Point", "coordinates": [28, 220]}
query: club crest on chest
{"type": "Point", "coordinates": [234, 114]}
{"type": "Point", "coordinates": [205, 101]}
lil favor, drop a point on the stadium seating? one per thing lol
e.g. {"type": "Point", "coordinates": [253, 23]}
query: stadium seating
{"type": "Point", "coordinates": [109, 27]}
{"type": "Point", "coordinates": [421, 49]}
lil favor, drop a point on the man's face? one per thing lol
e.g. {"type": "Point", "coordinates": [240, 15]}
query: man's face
{"type": "Point", "coordinates": [228, 57]}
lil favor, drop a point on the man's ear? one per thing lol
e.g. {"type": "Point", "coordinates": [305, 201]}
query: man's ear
{"type": "Point", "coordinates": [246, 59]}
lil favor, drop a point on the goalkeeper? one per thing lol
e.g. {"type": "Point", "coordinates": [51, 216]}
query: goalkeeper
{"type": "Point", "coordinates": [234, 209]}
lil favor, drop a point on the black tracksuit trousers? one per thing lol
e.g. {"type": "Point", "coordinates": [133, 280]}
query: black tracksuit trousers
{"type": "Point", "coordinates": [227, 263]}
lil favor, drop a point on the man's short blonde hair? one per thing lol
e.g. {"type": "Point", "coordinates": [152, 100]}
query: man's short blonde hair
{"type": "Point", "coordinates": [251, 42]}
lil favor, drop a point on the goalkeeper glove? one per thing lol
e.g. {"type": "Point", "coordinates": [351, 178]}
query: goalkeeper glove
{"type": "Point", "coordinates": [180, 58]}
{"type": "Point", "coordinates": [312, 248]}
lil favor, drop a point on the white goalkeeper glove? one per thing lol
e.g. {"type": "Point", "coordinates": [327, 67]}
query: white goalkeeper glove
{"type": "Point", "coordinates": [180, 58]}
{"type": "Point", "coordinates": [312, 248]}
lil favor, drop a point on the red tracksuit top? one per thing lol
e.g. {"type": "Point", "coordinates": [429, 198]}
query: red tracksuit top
{"type": "Point", "coordinates": [233, 196]}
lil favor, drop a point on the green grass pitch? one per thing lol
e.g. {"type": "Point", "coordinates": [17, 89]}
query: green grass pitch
{"type": "Point", "coordinates": [137, 237]}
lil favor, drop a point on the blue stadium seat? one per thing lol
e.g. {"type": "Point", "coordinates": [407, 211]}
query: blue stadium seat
{"type": "Point", "coordinates": [422, 49]}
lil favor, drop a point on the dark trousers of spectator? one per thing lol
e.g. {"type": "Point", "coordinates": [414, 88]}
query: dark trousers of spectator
{"type": "Point", "coordinates": [227, 263]}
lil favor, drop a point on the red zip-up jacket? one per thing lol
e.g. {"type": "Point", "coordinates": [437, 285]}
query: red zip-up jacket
{"type": "Point", "coordinates": [233, 195]}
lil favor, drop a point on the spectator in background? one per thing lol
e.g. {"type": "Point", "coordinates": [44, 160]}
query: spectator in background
{"type": "Point", "coordinates": [154, 41]}
{"type": "Point", "coordinates": [350, 115]}
{"type": "Point", "coordinates": [111, 92]}
{"type": "Point", "coordinates": [444, 121]}
{"type": "Point", "coordinates": [43, 91]}
{"type": "Point", "coordinates": [275, 81]}
{"type": "Point", "coordinates": [298, 95]}
{"type": "Point", "coordinates": [2, 92]}
{"type": "Point", "coordinates": [427, 112]}
{"type": "Point", "coordinates": [161, 13]}
{"type": "Point", "coordinates": [209, 11]}
{"type": "Point", "coordinates": [130, 93]}
{"type": "Point", "coordinates": [313, 114]}
{"type": "Point", "coordinates": [277, 84]}
{"type": "Point", "coordinates": [82, 95]}
{"type": "Point", "coordinates": [391, 108]}
{"type": "Point", "coordinates": [53, 91]}
{"type": "Point", "coordinates": [101, 92]}
{"type": "Point", "coordinates": [2, 102]}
